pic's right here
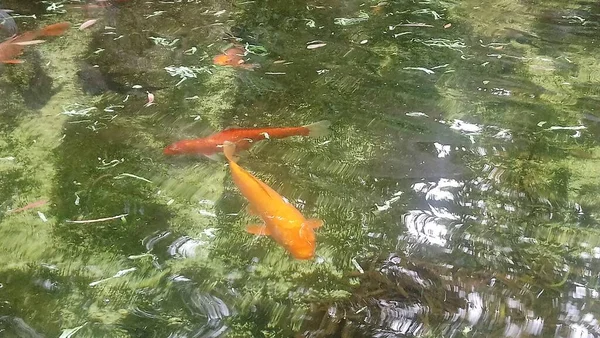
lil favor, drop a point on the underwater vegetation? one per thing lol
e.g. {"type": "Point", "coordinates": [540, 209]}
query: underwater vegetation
{"type": "Point", "coordinates": [449, 189]}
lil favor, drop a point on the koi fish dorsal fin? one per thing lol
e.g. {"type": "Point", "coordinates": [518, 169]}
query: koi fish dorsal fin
{"type": "Point", "coordinates": [313, 223]}
{"type": "Point", "coordinates": [258, 229]}
{"type": "Point", "coordinates": [318, 129]}
{"type": "Point", "coordinates": [250, 209]}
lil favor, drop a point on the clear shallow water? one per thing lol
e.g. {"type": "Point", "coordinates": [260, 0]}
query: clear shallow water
{"type": "Point", "coordinates": [458, 186]}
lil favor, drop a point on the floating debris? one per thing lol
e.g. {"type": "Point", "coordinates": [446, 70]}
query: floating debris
{"type": "Point", "coordinates": [87, 24]}
{"type": "Point", "coordinates": [67, 333]}
{"type": "Point", "coordinates": [42, 216]}
{"type": "Point", "coordinates": [111, 164]}
{"type": "Point", "coordinates": [416, 114]}
{"type": "Point", "coordinates": [150, 100]}
{"type": "Point", "coordinates": [315, 44]}
{"type": "Point", "coordinates": [351, 21]}
{"type": "Point", "coordinates": [185, 73]}
{"type": "Point", "coordinates": [418, 24]}
{"type": "Point", "coordinates": [426, 70]}
{"type": "Point", "coordinates": [81, 112]}
{"type": "Point", "coordinates": [122, 216]}
{"type": "Point", "coordinates": [436, 16]}
{"type": "Point", "coordinates": [120, 176]}
{"type": "Point", "coordinates": [567, 128]}
{"type": "Point", "coordinates": [256, 50]}
{"type": "Point", "coordinates": [132, 257]}
{"type": "Point", "coordinates": [164, 42]}
{"type": "Point", "coordinates": [111, 109]}
{"type": "Point", "coordinates": [156, 13]}
{"type": "Point", "coordinates": [190, 51]}
{"type": "Point", "coordinates": [117, 275]}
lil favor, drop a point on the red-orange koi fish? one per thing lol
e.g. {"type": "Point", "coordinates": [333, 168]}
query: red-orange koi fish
{"type": "Point", "coordinates": [234, 57]}
{"type": "Point", "coordinates": [243, 138]}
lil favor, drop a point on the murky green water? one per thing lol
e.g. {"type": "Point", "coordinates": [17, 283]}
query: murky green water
{"type": "Point", "coordinates": [459, 186]}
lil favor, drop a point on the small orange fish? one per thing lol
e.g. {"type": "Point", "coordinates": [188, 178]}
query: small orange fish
{"type": "Point", "coordinates": [13, 47]}
{"type": "Point", "coordinates": [234, 57]}
{"type": "Point", "coordinates": [283, 222]}
{"type": "Point", "coordinates": [243, 138]}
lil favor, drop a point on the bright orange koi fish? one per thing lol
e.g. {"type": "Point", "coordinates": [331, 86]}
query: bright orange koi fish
{"type": "Point", "coordinates": [234, 57]}
{"type": "Point", "coordinates": [211, 145]}
{"type": "Point", "coordinates": [13, 47]}
{"type": "Point", "coordinates": [283, 222]}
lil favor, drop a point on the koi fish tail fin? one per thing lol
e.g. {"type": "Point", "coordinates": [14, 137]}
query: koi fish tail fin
{"type": "Point", "coordinates": [55, 29]}
{"type": "Point", "coordinates": [229, 151]}
{"type": "Point", "coordinates": [318, 129]}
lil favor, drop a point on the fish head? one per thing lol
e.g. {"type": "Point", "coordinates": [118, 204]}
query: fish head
{"type": "Point", "coordinates": [303, 247]}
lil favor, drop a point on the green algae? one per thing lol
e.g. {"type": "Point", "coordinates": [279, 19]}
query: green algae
{"type": "Point", "coordinates": [365, 90]}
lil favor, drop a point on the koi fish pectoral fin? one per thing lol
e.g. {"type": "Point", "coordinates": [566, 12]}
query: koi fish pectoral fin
{"type": "Point", "coordinates": [258, 229]}
{"type": "Point", "coordinates": [313, 223]}
{"type": "Point", "coordinates": [215, 157]}
{"type": "Point", "coordinates": [14, 61]}
{"type": "Point", "coordinates": [250, 209]}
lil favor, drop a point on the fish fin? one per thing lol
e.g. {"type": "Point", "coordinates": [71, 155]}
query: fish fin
{"type": "Point", "coordinates": [229, 150]}
{"type": "Point", "coordinates": [250, 209]}
{"type": "Point", "coordinates": [318, 129]}
{"type": "Point", "coordinates": [239, 154]}
{"type": "Point", "coordinates": [214, 157]}
{"type": "Point", "coordinates": [313, 223]}
{"type": "Point", "coordinates": [13, 61]}
{"type": "Point", "coordinates": [55, 29]}
{"type": "Point", "coordinates": [258, 229]}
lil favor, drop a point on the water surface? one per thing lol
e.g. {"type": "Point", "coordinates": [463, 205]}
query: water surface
{"type": "Point", "coordinates": [458, 187]}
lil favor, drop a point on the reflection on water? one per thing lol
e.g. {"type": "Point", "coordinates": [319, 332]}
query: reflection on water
{"type": "Point", "coordinates": [458, 187]}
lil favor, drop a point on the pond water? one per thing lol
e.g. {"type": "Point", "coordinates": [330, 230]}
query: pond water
{"type": "Point", "coordinates": [458, 186]}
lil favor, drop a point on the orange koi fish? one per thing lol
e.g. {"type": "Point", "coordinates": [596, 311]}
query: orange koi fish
{"type": "Point", "coordinates": [13, 47]}
{"type": "Point", "coordinates": [283, 222]}
{"type": "Point", "coordinates": [211, 145]}
{"type": "Point", "coordinates": [234, 57]}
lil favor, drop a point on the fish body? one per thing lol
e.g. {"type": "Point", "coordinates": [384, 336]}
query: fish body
{"type": "Point", "coordinates": [13, 47]}
{"type": "Point", "coordinates": [233, 57]}
{"type": "Point", "coordinates": [282, 221]}
{"type": "Point", "coordinates": [243, 138]}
